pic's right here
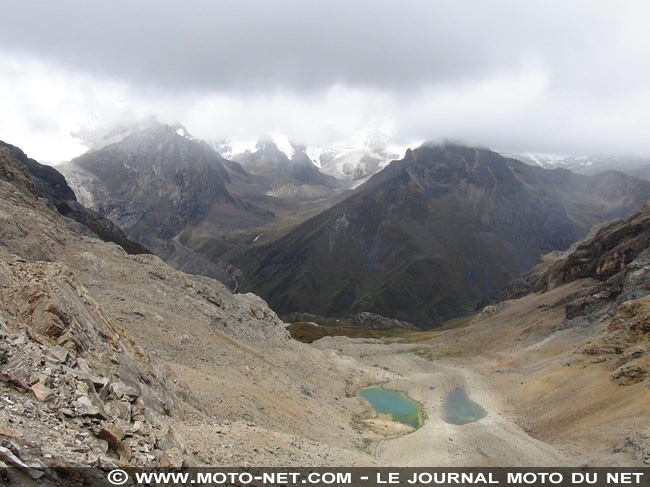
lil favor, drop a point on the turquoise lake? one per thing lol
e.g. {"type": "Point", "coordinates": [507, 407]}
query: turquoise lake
{"type": "Point", "coordinates": [397, 406]}
{"type": "Point", "coordinates": [458, 408]}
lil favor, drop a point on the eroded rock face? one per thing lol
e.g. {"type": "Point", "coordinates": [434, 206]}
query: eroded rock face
{"type": "Point", "coordinates": [617, 256]}
{"type": "Point", "coordinates": [625, 344]}
{"type": "Point", "coordinates": [606, 254]}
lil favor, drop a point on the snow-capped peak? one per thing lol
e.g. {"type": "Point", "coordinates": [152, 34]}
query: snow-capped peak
{"type": "Point", "coordinates": [356, 162]}
{"type": "Point", "coordinates": [283, 145]}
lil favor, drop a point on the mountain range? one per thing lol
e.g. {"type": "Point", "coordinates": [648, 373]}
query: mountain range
{"type": "Point", "coordinates": [423, 240]}
{"type": "Point", "coordinates": [175, 194]}
{"type": "Point", "coordinates": [430, 235]}
{"type": "Point", "coordinates": [289, 177]}
{"type": "Point", "coordinates": [634, 166]}
{"type": "Point", "coordinates": [111, 358]}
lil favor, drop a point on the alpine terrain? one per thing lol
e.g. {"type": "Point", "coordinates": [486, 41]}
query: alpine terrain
{"type": "Point", "coordinates": [429, 236]}
{"type": "Point", "coordinates": [112, 358]}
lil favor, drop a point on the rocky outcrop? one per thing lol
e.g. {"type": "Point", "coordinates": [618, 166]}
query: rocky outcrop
{"type": "Point", "coordinates": [365, 320]}
{"type": "Point", "coordinates": [617, 258]}
{"type": "Point", "coordinates": [625, 344]}
{"type": "Point", "coordinates": [606, 254]}
{"type": "Point", "coordinates": [46, 182]}
{"type": "Point", "coordinates": [372, 321]}
{"type": "Point", "coordinates": [636, 444]}
{"type": "Point", "coordinates": [488, 311]}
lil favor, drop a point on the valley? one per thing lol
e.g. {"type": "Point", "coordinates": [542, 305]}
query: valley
{"type": "Point", "coordinates": [301, 235]}
{"type": "Point", "coordinates": [115, 359]}
{"type": "Point", "coordinates": [546, 403]}
{"type": "Point", "coordinates": [425, 239]}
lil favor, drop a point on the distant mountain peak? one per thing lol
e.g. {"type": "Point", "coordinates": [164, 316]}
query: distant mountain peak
{"type": "Point", "coordinates": [275, 146]}
{"type": "Point", "coordinates": [585, 164]}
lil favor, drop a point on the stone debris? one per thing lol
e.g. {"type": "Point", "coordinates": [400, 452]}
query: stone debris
{"type": "Point", "coordinates": [10, 432]}
{"type": "Point", "coordinates": [76, 388]}
{"type": "Point", "coordinates": [42, 392]}
{"type": "Point", "coordinates": [79, 407]}
{"type": "Point", "coordinates": [113, 435]}
{"type": "Point", "coordinates": [629, 374]}
{"type": "Point", "coordinates": [637, 444]}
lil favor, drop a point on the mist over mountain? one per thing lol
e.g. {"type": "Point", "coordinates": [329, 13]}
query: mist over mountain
{"type": "Point", "coordinates": [355, 164]}
{"type": "Point", "coordinates": [634, 166]}
{"type": "Point", "coordinates": [326, 234]}
{"type": "Point", "coordinates": [174, 194]}
{"type": "Point", "coordinates": [422, 239]}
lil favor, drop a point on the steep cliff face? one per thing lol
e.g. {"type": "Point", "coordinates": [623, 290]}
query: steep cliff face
{"type": "Point", "coordinates": [606, 254]}
{"type": "Point", "coordinates": [429, 236]}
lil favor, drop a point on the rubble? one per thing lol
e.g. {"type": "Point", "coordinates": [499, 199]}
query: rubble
{"type": "Point", "coordinates": [42, 392]}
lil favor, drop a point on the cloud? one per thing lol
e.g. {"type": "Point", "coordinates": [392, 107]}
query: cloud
{"type": "Point", "coordinates": [554, 76]}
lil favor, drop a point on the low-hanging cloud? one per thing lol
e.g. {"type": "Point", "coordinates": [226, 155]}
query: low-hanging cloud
{"type": "Point", "coordinates": [552, 76]}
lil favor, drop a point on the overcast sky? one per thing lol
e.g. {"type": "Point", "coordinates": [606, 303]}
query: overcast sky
{"type": "Point", "coordinates": [552, 76]}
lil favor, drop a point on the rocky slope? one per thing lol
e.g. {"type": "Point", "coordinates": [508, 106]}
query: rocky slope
{"type": "Point", "coordinates": [116, 359]}
{"type": "Point", "coordinates": [429, 236]}
{"type": "Point", "coordinates": [155, 178]}
{"type": "Point", "coordinates": [618, 258]}
{"type": "Point", "coordinates": [78, 390]}
{"type": "Point", "coordinates": [113, 359]}
{"type": "Point", "coordinates": [573, 351]}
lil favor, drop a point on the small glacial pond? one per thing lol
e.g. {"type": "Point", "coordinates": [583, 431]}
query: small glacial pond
{"type": "Point", "coordinates": [394, 405]}
{"type": "Point", "coordinates": [458, 408]}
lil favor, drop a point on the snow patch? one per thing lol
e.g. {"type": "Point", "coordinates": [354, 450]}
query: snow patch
{"type": "Point", "coordinates": [283, 144]}
{"type": "Point", "coordinates": [182, 131]}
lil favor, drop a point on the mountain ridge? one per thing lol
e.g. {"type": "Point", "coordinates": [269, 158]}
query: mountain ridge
{"type": "Point", "coordinates": [391, 226]}
{"type": "Point", "coordinates": [45, 181]}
